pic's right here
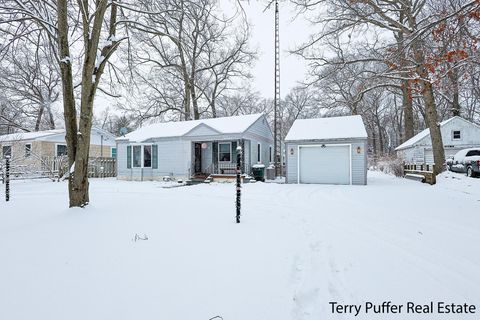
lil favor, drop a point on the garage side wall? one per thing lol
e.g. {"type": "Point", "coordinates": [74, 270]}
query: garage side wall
{"type": "Point", "coordinates": [359, 160]}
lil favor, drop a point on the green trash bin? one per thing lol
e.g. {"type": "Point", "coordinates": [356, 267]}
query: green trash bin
{"type": "Point", "coordinates": [258, 171]}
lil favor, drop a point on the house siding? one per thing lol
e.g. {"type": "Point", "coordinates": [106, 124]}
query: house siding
{"type": "Point", "coordinates": [175, 155]}
{"type": "Point", "coordinates": [359, 160]}
{"type": "Point", "coordinates": [173, 160]}
{"type": "Point", "coordinates": [421, 151]}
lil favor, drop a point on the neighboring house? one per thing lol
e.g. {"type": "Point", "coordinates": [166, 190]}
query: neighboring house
{"type": "Point", "coordinates": [34, 149]}
{"type": "Point", "coordinates": [327, 151]}
{"type": "Point", "coordinates": [187, 149]}
{"type": "Point", "coordinates": [457, 134]}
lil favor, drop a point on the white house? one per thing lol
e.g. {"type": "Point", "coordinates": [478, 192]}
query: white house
{"type": "Point", "coordinates": [457, 134]}
{"type": "Point", "coordinates": [327, 150]}
{"type": "Point", "coordinates": [196, 148]}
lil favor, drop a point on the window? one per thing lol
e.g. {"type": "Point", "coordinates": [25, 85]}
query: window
{"type": "Point", "coordinates": [147, 156]}
{"type": "Point", "coordinates": [114, 152]}
{"type": "Point", "coordinates": [270, 154]}
{"type": "Point", "coordinates": [137, 156]}
{"type": "Point", "coordinates": [224, 152]}
{"type": "Point", "coordinates": [473, 153]}
{"type": "Point", "coordinates": [61, 150]}
{"type": "Point", "coordinates": [28, 150]}
{"type": "Point", "coordinates": [141, 156]}
{"type": "Point", "coordinates": [7, 151]}
{"type": "Point", "coordinates": [259, 152]}
{"type": "Point", "coordinates": [457, 135]}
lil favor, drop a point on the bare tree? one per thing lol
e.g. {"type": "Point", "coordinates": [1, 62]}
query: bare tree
{"type": "Point", "coordinates": [90, 28]}
{"type": "Point", "coordinates": [29, 76]}
{"type": "Point", "coordinates": [185, 60]}
{"type": "Point", "coordinates": [350, 25]}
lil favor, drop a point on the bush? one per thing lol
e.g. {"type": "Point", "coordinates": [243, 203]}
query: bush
{"type": "Point", "coordinates": [390, 165]}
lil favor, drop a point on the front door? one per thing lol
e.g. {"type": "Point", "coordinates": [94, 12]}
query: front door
{"type": "Point", "coordinates": [198, 157]}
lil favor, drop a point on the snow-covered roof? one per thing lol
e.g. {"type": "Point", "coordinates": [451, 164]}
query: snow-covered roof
{"type": "Point", "coordinates": [225, 125]}
{"type": "Point", "coordinates": [29, 135]}
{"type": "Point", "coordinates": [422, 134]}
{"type": "Point", "coordinates": [327, 128]}
{"type": "Point", "coordinates": [39, 135]}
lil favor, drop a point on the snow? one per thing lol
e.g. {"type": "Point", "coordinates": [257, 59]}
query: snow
{"type": "Point", "coordinates": [225, 125]}
{"type": "Point", "coordinates": [29, 135]}
{"type": "Point", "coordinates": [422, 134]}
{"type": "Point", "coordinates": [327, 128]}
{"type": "Point", "coordinates": [66, 60]}
{"type": "Point", "coordinates": [297, 248]}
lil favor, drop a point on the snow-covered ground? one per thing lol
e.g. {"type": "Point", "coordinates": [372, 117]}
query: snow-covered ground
{"type": "Point", "coordinates": [298, 248]}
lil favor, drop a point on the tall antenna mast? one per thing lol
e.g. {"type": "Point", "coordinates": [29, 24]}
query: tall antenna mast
{"type": "Point", "coordinates": [276, 99]}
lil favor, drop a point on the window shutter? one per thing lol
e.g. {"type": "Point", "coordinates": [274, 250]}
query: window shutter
{"type": "Point", "coordinates": [234, 152]}
{"type": "Point", "coordinates": [154, 156]}
{"type": "Point", "coordinates": [129, 157]}
{"type": "Point", "coordinates": [215, 152]}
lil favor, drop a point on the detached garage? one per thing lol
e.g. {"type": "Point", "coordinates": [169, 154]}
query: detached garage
{"type": "Point", "coordinates": [327, 151]}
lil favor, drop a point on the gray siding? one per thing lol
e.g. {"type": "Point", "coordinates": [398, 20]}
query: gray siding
{"type": "Point", "coordinates": [202, 130]}
{"type": "Point", "coordinates": [173, 160]}
{"type": "Point", "coordinates": [359, 161]}
{"type": "Point", "coordinates": [175, 154]}
{"type": "Point", "coordinates": [420, 152]}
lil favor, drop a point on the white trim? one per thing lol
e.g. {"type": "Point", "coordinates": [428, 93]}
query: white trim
{"type": "Point", "coordinates": [326, 145]}
{"type": "Point", "coordinates": [143, 155]}
{"type": "Point", "coordinates": [142, 158]}
{"type": "Point", "coordinates": [56, 148]}
{"type": "Point", "coordinates": [218, 151]}
{"type": "Point", "coordinates": [29, 151]}
{"type": "Point", "coordinates": [453, 135]}
{"type": "Point", "coordinates": [133, 155]}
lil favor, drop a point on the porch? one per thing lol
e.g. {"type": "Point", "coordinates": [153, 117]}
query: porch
{"type": "Point", "coordinates": [218, 158]}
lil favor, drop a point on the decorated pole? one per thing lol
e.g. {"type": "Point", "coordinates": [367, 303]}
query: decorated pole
{"type": "Point", "coordinates": [7, 178]}
{"type": "Point", "coordinates": [239, 171]}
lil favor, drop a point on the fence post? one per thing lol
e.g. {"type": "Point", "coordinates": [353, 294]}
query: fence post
{"type": "Point", "coordinates": [238, 202]}
{"type": "Point", "coordinates": [7, 178]}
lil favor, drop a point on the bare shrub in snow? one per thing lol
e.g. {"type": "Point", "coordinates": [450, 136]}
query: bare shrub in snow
{"type": "Point", "coordinates": [390, 165]}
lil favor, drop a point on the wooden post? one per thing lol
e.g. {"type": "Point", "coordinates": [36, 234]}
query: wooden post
{"type": "Point", "coordinates": [238, 186]}
{"type": "Point", "coordinates": [7, 178]}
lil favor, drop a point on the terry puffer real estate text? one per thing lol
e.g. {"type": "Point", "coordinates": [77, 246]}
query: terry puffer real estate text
{"type": "Point", "coordinates": [388, 307]}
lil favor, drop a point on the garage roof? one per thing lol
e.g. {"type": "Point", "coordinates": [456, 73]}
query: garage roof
{"type": "Point", "coordinates": [327, 128]}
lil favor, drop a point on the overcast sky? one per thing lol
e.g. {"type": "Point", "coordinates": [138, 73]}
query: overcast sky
{"type": "Point", "coordinates": [292, 33]}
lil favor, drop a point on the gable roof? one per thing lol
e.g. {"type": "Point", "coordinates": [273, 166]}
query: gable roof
{"type": "Point", "coordinates": [20, 136]}
{"type": "Point", "coordinates": [424, 133]}
{"type": "Point", "coordinates": [39, 135]}
{"type": "Point", "coordinates": [327, 128]}
{"type": "Point", "coordinates": [225, 125]}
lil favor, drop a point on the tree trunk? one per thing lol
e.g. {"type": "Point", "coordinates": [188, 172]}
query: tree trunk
{"type": "Point", "coordinates": [407, 108]}
{"type": "Point", "coordinates": [453, 76]}
{"type": "Point", "coordinates": [51, 123]}
{"type": "Point", "coordinates": [196, 113]}
{"type": "Point", "coordinates": [67, 88]}
{"type": "Point", "coordinates": [430, 107]}
{"type": "Point", "coordinates": [39, 117]}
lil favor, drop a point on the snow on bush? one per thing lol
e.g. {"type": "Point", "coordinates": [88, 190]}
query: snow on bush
{"type": "Point", "coordinates": [389, 165]}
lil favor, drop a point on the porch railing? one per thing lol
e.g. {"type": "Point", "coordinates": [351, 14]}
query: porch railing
{"type": "Point", "coordinates": [221, 168]}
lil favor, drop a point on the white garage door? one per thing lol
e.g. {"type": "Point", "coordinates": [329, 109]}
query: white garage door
{"type": "Point", "coordinates": [329, 164]}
